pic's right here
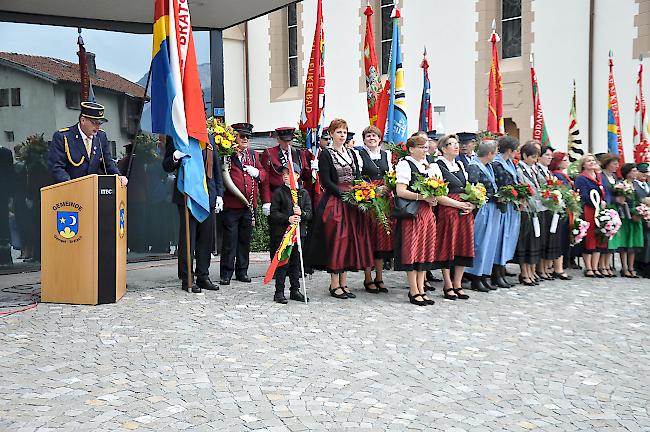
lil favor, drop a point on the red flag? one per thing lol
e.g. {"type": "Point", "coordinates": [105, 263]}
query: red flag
{"type": "Point", "coordinates": [315, 84]}
{"type": "Point", "coordinates": [426, 109]}
{"type": "Point", "coordinates": [539, 126]}
{"type": "Point", "coordinates": [495, 92]}
{"type": "Point", "coordinates": [614, 135]}
{"type": "Point", "coordinates": [83, 69]}
{"type": "Point", "coordinates": [382, 107]}
{"type": "Point", "coordinates": [373, 84]}
{"type": "Point", "coordinates": [640, 138]}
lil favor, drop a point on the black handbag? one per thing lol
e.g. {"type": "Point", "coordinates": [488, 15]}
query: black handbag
{"type": "Point", "coordinates": [405, 209]}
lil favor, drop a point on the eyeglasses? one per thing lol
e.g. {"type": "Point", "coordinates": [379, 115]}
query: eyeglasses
{"type": "Point", "coordinates": [244, 138]}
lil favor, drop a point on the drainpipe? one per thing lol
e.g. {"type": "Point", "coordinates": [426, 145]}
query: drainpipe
{"type": "Point", "coordinates": [246, 74]}
{"type": "Point", "coordinates": [590, 79]}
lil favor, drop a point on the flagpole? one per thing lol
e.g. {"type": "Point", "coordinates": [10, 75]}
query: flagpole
{"type": "Point", "coordinates": [302, 266]}
{"type": "Point", "coordinates": [188, 254]}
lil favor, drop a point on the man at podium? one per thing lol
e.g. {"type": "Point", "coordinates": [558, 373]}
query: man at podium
{"type": "Point", "coordinates": [82, 149]}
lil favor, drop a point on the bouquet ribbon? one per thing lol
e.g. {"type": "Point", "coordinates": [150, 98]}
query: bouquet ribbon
{"type": "Point", "coordinates": [594, 196]}
{"type": "Point", "coordinates": [554, 222]}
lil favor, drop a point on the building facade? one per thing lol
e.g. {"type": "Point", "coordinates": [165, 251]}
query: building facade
{"type": "Point", "coordinates": [568, 41]}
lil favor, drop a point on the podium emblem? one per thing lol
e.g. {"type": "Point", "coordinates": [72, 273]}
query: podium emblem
{"type": "Point", "coordinates": [67, 224]}
{"type": "Point", "coordinates": [122, 219]}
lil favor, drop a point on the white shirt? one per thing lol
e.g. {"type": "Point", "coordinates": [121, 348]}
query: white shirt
{"type": "Point", "coordinates": [452, 166]}
{"type": "Point", "coordinates": [345, 156]}
{"type": "Point", "coordinates": [376, 155]}
{"type": "Point", "coordinates": [403, 170]}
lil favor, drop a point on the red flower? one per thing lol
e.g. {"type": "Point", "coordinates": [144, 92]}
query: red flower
{"type": "Point", "coordinates": [514, 193]}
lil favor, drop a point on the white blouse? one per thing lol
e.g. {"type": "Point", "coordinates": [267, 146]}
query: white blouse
{"type": "Point", "coordinates": [403, 170]}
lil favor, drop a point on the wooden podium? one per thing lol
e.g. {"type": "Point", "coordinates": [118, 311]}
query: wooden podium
{"type": "Point", "coordinates": [83, 239]}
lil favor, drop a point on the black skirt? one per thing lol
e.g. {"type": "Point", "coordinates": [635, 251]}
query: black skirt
{"type": "Point", "coordinates": [528, 246]}
{"type": "Point", "coordinates": [551, 245]}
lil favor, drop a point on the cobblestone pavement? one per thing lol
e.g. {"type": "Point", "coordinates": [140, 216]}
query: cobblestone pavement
{"type": "Point", "coordinates": [563, 356]}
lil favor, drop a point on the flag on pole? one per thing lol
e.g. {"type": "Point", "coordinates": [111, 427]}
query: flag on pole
{"type": "Point", "coordinates": [641, 127]}
{"type": "Point", "coordinates": [539, 126]}
{"type": "Point", "coordinates": [373, 85]}
{"type": "Point", "coordinates": [574, 147]}
{"type": "Point", "coordinates": [426, 110]}
{"type": "Point", "coordinates": [87, 93]}
{"type": "Point", "coordinates": [614, 136]}
{"type": "Point", "coordinates": [291, 234]}
{"type": "Point", "coordinates": [314, 102]}
{"type": "Point", "coordinates": [176, 99]}
{"type": "Point", "coordinates": [397, 125]}
{"type": "Point", "coordinates": [495, 90]}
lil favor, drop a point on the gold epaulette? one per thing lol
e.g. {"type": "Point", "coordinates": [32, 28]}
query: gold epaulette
{"type": "Point", "coordinates": [64, 129]}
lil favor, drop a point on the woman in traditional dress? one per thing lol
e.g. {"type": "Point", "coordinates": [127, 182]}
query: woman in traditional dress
{"type": "Point", "coordinates": [629, 238]}
{"type": "Point", "coordinates": [415, 238]}
{"type": "Point", "coordinates": [529, 246]}
{"type": "Point", "coordinates": [455, 230]}
{"type": "Point", "coordinates": [340, 242]}
{"type": "Point", "coordinates": [505, 173]}
{"type": "Point", "coordinates": [376, 163]}
{"type": "Point", "coordinates": [609, 165]}
{"type": "Point", "coordinates": [558, 166]}
{"type": "Point", "coordinates": [642, 189]}
{"type": "Point", "coordinates": [551, 262]}
{"type": "Point", "coordinates": [488, 218]}
{"type": "Point", "coordinates": [590, 180]}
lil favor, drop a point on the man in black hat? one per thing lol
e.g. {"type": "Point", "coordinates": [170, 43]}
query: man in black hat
{"type": "Point", "coordinates": [324, 141]}
{"type": "Point", "coordinates": [201, 233]}
{"type": "Point", "coordinates": [466, 142]}
{"type": "Point", "coordinates": [349, 140]}
{"type": "Point", "coordinates": [82, 149]}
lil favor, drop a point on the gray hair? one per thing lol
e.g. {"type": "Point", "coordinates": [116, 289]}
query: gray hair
{"type": "Point", "coordinates": [486, 147]}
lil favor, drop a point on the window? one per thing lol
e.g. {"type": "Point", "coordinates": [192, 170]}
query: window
{"type": "Point", "coordinates": [72, 99]}
{"type": "Point", "coordinates": [511, 28]}
{"type": "Point", "coordinates": [15, 97]}
{"type": "Point", "coordinates": [4, 97]}
{"type": "Point", "coordinates": [9, 135]}
{"type": "Point", "coordinates": [292, 42]}
{"type": "Point", "coordinates": [386, 33]}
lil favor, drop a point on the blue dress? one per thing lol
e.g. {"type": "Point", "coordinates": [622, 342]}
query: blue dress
{"type": "Point", "coordinates": [487, 224]}
{"type": "Point", "coordinates": [505, 174]}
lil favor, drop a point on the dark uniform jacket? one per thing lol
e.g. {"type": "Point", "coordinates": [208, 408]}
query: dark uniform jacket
{"type": "Point", "coordinates": [272, 163]}
{"type": "Point", "coordinates": [282, 208]}
{"type": "Point", "coordinates": [72, 161]}
{"type": "Point", "coordinates": [245, 183]}
{"type": "Point", "coordinates": [215, 184]}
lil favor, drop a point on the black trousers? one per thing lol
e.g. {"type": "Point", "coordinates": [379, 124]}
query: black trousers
{"type": "Point", "coordinates": [237, 231]}
{"type": "Point", "coordinates": [201, 237]}
{"type": "Point", "coordinates": [292, 268]}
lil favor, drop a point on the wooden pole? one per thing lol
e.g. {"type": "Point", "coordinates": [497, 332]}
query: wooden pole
{"type": "Point", "coordinates": [188, 253]}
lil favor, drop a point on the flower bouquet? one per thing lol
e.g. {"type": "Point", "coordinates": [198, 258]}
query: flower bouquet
{"type": "Point", "coordinates": [398, 151]}
{"type": "Point", "coordinates": [572, 201]}
{"type": "Point", "coordinates": [224, 137]}
{"type": "Point", "coordinates": [552, 199]}
{"type": "Point", "coordinates": [475, 194]}
{"type": "Point", "coordinates": [524, 191]}
{"type": "Point", "coordinates": [623, 189]}
{"type": "Point", "coordinates": [390, 180]}
{"type": "Point", "coordinates": [644, 212]}
{"type": "Point", "coordinates": [608, 223]}
{"type": "Point", "coordinates": [578, 230]}
{"type": "Point", "coordinates": [367, 197]}
{"type": "Point", "coordinates": [554, 182]}
{"type": "Point", "coordinates": [430, 186]}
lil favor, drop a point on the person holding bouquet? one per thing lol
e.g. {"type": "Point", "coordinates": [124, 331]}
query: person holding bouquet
{"type": "Point", "coordinates": [455, 231]}
{"type": "Point", "coordinates": [594, 244]}
{"type": "Point", "coordinates": [558, 166]}
{"type": "Point", "coordinates": [610, 165]}
{"type": "Point", "coordinates": [529, 246]}
{"type": "Point", "coordinates": [340, 241]}
{"type": "Point", "coordinates": [505, 174]}
{"type": "Point", "coordinates": [415, 238]}
{"type": "Point", "coordinates": [629, 238]}
{"type": "Point", "coordinates": [642, 189]}
{"type": "Point", "coordinates": [488, 219]}
{"type": "Point", "coordinates": [376, 164]}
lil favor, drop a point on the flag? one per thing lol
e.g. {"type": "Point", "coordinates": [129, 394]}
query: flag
{"type": "Point", "coordinates": [87, 93]}
{"type": "Point", "coordinates": [314, 102]}
{"type": "Point", "coordinates": [614, 136]}
{"type": "Point", "coordinates": [641, 131]}
{"type": "Point", "coordinates": [539, 126]}
{"type": "Point", "coordinates": [382, 107]}
{"type": "Point", "coordinates": [574, 147]}
{"type": "Point", "coordinates": [291, 234]}
{"type": "Point", "coordinates": [373, 85]}
{"type": "Point", "coordinates": [495, 91]}
{"type": "Point", "coordinates": [396, 126]}
{"type": "Point", "coordinates": [426, 110]}
{"type": "Point", "coordinates": [177, 108]}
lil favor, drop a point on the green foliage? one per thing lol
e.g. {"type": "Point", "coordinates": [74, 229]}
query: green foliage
{"type": "Point", "coordinates": [260, 237]}
{"type": "Point", "coordinates": [146, 148]}
{"type": "Point", "coordinates": [33, 152]}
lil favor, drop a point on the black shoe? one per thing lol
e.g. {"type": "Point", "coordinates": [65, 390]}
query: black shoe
{"type": "Point", "coordinates": [431, 278]}
{"type": "Point", "coordinates": [486, 283]}
{"type": "Point", "coordinates": [333, 293]}
{"type": "Point", "coordinates": [297, 296]}
{"type": "Point", "coordinates": [380, 286]}
{"type": "Point", "coordinates": [244, 278]}
{"type": "Point", "coordinates": [366, 285]}
{"type": "Point", "coordinates": [195, 289]}
{"type": "Point", "coordinates": [477, 285]}
{"type": "Point", "coordinates": [206, 284]}
{"type": "Point", "coordinates": [417, 300]}
{"type": "Point", "coordinates": [348, 293]}
{"type": "Point", "coordinates": [461, 296]}
{"type": "Point", "coordinates": [428, 300]}
{"type": "Point", "coordinates": [279, 297]}
{"type": "Point", "coordinates": [447, 296]}
{"type": "Point", "coordinates": [224, 281]}
{"type": "Point", "coordinates": [526, 282]}
{"type": "Point", "coordinates": [428, 286]}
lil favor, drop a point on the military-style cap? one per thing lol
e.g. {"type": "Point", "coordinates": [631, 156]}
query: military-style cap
{"type": "Point", "coordinates": [243, 129]}
{"type": "Point", "coordinates": [626, 168]}
{"type": "Point", "coordinates": [600, 156]}
{"type": "Point", "coordinates": [350, 136]}
{"type": "Point", "coordinates": [643, 167]}
{"type": "Point", "coordinates": [464, 137]}
{"type": "Point", "coordinates": [432, 134]}
{"type": "Point", "coordinates": [93, 111]}
{"type": "Point", "coordinates": [325, 134]}
{"type": "Point", "coordinates": [285, 133]}
{"type": "Point", "coordinates": [296, 167]}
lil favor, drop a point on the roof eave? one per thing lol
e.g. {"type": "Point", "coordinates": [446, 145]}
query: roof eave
{"type": "Point", "coordinates": [31, 71]}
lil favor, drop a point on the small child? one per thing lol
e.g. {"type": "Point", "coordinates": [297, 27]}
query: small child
{"type": "Point", "coordinates": [282, 214]}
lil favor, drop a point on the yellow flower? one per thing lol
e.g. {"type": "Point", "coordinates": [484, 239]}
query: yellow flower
{"type": "Point", "coordinates": [217, 140]}
{"type": "Point", "coordinates": [372, 194]}
{"type": "Point", "coordinates": [219, 129]}
{"type": "Point", "coordinates": [230, 136]}
{"type": "Point", "coordinates": [226, 144]}
{"type": "Point", "coordinates": [358, 195]}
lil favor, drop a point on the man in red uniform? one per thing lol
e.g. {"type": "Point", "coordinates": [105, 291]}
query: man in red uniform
{"type": "Point", "coordinates": [246, 172]}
